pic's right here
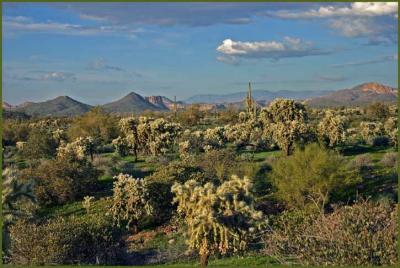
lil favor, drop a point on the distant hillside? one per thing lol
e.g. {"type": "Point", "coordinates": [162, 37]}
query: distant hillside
{"type": "Point", "coordinates": [131, 103]}
{"type": "Point", "coordinates": [10, 114]}
{"type": "Point", "coordinates": [60, 106]}
{"type": "Point", "coordinates": [157, 101]}
{"type": "Point", "coordinates": [360, 95]}
{"type": "Point", "coordinates": [7, 106]}
{"type": "Point", "coordinates": [263, 96]}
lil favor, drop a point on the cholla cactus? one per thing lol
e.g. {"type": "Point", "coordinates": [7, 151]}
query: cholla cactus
{"type": "Point", "coordinates": [121, 146]}
{"type": "Point", "coordinates": [59, 135]}
{"type": "Point", "coordinates": [282, 110]}
{"type": "Point", "coordinates": [87, 203]}
{"type": "Point", "coordinates": [131, 201]}
{"type": "Point", "coordinates": [247, 133]}
{"type": "Point", "coordinates": [214, 138]}
{"type": "Point", "coordinates": [148, 135]}
{"type": "Point", "coordinates": [370, 130]}
{"type": "Point", "coordinates": [391, 130]}
{"type": "Point", "coordinates": [20, 145]}
{"type": "Point", "coordinates": [332, 129]}
{"type": "Point", "coordinates": [284, 123]}
{"type": "Point", "coordinates": [219, 218]}
{"type": "Point", "coordinates": [77, 150]}
{"type": "Point", "coordinates": [286, 134]}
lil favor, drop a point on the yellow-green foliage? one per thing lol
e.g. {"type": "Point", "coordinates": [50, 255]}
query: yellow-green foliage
{"type": "Point", "coordinates": [131, 200]}
{"type": "Point", "coordinates": [219, 218]}
{"type": "Point", "coordinates": [95, 123]}
{"type": "Point", "coordinates": [309, 176]}
{"type": "Point", "coordinates": [332, 129]}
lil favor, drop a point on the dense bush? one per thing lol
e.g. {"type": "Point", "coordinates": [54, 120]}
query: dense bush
{"type": "Point", "coordinates": [309, 176]}
{"type": "Point", "coordinates": [40, 144]}
{"type": "Point", "coordinates": [65, 241]}
{"type": "Point", "coordinates": [362, 234]}
{"type": "Point", "coordinates": [59, 181]}
{"type": "Point", "coordinates": [95, 123]}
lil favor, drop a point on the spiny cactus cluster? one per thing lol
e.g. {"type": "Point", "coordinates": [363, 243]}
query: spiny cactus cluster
{"type": "Point", "coordinates": [77, 150]}
{"type": "Point", "coordinates": [147, 135]}
{"type": "Point", "coordinates": [332, 129]}
{"type": "Point", "coordinates": [219, 218]}
{"type": "Point", "coordinates": [131, 201]}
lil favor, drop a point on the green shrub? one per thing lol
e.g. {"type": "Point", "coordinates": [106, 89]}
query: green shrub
{"type": "Point", "coordinates": [40, 144]}
{"type": "Point", "coordinates": [59, 181]}
{"type": "Point", "coordinates": [362, 234]}
{"type": "Point", "coordinates": [309, 176]}
{"type": "Point", "coordinates": [160, 183]}
{"type": "Point", "coordinates": [65, 241]}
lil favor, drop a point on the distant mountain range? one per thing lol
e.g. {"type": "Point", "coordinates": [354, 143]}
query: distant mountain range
{"type": "Point", "coordinates": [135, 103]}
{"type": "Point", "coordinates": [357, 96]}
{"type": "Point", "coordinates": [259, 95]}
{"type": "Point", "coordinates": [60, 106]}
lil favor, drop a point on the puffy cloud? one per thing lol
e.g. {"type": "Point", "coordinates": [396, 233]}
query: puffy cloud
{"type": "Point", "coordinates": [289, 47]}
{"type": "Point", "coordinates": [354, 27]}
{"type": "Point", "coordinates": [367, 9]}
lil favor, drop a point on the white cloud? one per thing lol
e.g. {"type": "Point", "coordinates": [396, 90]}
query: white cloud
{"type": "Point", "coordinates": [354, 27]}
{"type": "Point", "coordinates": [26, 25]}
{"type": "Point", "coordinates": [101, 64]}
{"type": "Point", "coordinates": [289, 47]}
{"type": "Point", "coordinates": [42, 76]}
{"type": "Point", "coordinates": [58, 76]}
{"type": "Point", "coordinates": [367, 9]}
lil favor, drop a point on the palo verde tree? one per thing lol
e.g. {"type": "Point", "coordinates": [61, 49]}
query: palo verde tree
{"type": "Point", "coordinates": [219, 218]}
{"type": "Point", "coordinates": [309, 176]}
{"type": "Point", "coordinates": [286, 122]}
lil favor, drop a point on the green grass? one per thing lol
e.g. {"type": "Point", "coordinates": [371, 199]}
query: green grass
{"type": "Point", "coordinates": [98, 207]}
{"type": "Point", "coordinates": [261, 156]}
{"type": "Point", "coordinates": [235, 261]}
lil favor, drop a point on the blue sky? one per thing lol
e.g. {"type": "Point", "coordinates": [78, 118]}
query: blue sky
{"type": "Point", "coordinates": [97, 53]}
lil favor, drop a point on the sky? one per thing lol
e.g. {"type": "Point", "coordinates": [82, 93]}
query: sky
{"type": "Point", "coordinates": [99, 52]}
